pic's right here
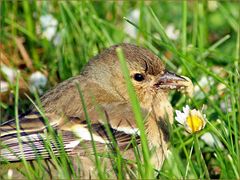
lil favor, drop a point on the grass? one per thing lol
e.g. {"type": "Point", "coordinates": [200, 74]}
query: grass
{"type": "Point", "coordinates": [207, 50]}
{"type": "Point", "coordinates": [148, 170]}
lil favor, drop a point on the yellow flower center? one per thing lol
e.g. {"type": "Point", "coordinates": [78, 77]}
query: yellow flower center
{"type": "Point", "coordinates": [195, 122]}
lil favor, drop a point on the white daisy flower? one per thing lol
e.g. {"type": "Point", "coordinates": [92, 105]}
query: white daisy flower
{"type": "Point", "coordinates": [37, 82]}
{"type": "Point", "coordinates": [49, 25]}
{"type": "Point", "coordinates": [192, 120]}
{"type": "Point", "coordinates": [172, 32]}
{"type": "Point", "coordinates": [4, 87]}
{"type": "Point", "coordinates": [211, 140]}
{"type": "Point", "coordinates": [205, 83]}
{"type": "Point", "coordinates": [9, 72]}
{"type": "Point", "coordinates": [133, 17]}
{"type": "Point", "coordinates": [10, 174]}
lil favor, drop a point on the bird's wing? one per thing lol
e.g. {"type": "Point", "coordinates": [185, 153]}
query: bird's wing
{"type": "Point", "coordinates": [38, 138]}
{"type": "Point", "coordinates": [30, 123]}
{"type": "Point", "coordinates": [31, 137]}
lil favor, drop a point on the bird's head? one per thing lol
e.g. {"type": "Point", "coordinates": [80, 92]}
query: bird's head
{"type": "Point", "coordinates": [147, 72]}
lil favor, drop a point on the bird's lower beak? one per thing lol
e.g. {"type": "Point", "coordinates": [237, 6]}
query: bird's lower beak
{"type": "Point", "coordinates": [171, 80]}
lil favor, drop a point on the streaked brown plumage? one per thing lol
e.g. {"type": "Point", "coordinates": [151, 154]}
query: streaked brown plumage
{"type": "Point", "coordinates": [103, 86]}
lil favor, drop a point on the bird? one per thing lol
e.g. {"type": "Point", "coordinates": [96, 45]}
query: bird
{"type": "Point", "coordinates": [104, 107]}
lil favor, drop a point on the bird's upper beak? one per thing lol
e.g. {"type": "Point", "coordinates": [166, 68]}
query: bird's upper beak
{"type": "Point", "coordinates": [171, 80]}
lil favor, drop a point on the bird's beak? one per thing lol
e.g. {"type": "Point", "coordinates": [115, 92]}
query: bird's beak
{"type": "Point", "coordinates": [171, 80]}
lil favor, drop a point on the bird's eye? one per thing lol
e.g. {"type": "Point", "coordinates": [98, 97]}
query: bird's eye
{"type": "Point", "coordinates": [138, 77]}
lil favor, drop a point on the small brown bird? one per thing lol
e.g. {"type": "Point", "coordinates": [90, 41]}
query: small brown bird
{"type": "Point", "coordinates": [104, 89]}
